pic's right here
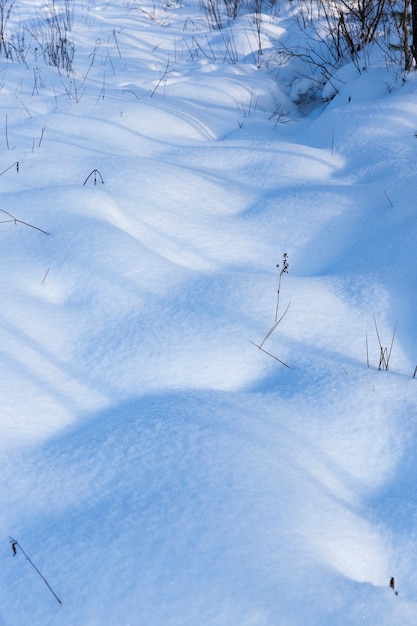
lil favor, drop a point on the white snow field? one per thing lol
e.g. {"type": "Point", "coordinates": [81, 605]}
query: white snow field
{"type": "Point", "coordinates": [158, 468]}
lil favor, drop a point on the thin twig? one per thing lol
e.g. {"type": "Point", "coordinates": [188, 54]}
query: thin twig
{"type": "Point", "coordinates": [116, 42]}
{"type": "Point", "coordinates": [284, 270]}
{"type": "Point", "coordinates": [164, 75]}
{"type": "Point", "coordinates": [16, 544]}
{"type": "Point", "coordinates": [95, 172]}
{"type": "Point", "coordinates": [388, 198]}
{"type": "Point", "coordinates": [25, 107]}
{"type": "Point", "coordinates": [130, 91]}
{"type": "Point", "coordinates": [385, 354]}
{"type": "Point", "coordinates": [41, 137]}
{"type": "Point", "coordinates": [392, 343]}
{"type": "Point", "coordinates": [16, 220]}
{"type": "Point", "coordinates": [93, 56]}
{"type": "Point", "coordinates": [269, 354]}
{"type": "Point", "coordinates": [16, 165]}
{"type": "Point", "coordinates": [381, 351]}
{"type": "Point", "coordinates": [103, 89]}
{"type": "Point", "coordinates": [269, 333]}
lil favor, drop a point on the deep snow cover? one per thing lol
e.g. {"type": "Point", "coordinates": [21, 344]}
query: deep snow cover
{"type": "Point", "coordinates": [157, 467]}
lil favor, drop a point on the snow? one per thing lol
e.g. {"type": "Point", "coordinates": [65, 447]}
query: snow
{"type": "Point", "coordinates": [158, 468]}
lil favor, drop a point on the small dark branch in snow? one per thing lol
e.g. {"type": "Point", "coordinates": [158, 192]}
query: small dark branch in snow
{"type": "Point", "coordinates": [381, 350]}
{"type": "Point", "coordinates": [93, 56]}
{"type": "Point", "coordinates": [388, 198]}
{"type": "Point", "coordinates": [25, 107]}
{"type": "Point", "coordinates": [17, 221]}
{"type": "Point", "coordinates": [384, 353]}
{"type": "Point", "coordinates": [284, 270]}
{"type": "Point", "coordinates": [392, 343]}
{"type": "Point", "coordinates": [163, 77]}
{"type": "Point", "coordinates": [15, 545]}
{"type": "Point", "coordinates": [269, 333]}
{"type": "Point", "coordinates": [41, 137]}
{"type": "Point", "coordinates": [94, 173]}
{"type": "Point", "coordinates": [16, 165]}
{"type": "Point", "coordinates": [103, 89]}
{"type": "Point", "coordinates": [269, 354]}
{"type": "Point", "coordinates": [130, 91]}
{"type": "Point", "coordinates": [117, 43]}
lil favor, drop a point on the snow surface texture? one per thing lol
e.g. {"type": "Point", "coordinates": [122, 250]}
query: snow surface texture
{"type": "Point", "coordinates": [157, 467]}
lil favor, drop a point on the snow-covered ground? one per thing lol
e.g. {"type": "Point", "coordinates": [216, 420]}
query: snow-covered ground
{"type": "Point", "coordinates": [157, 467]}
